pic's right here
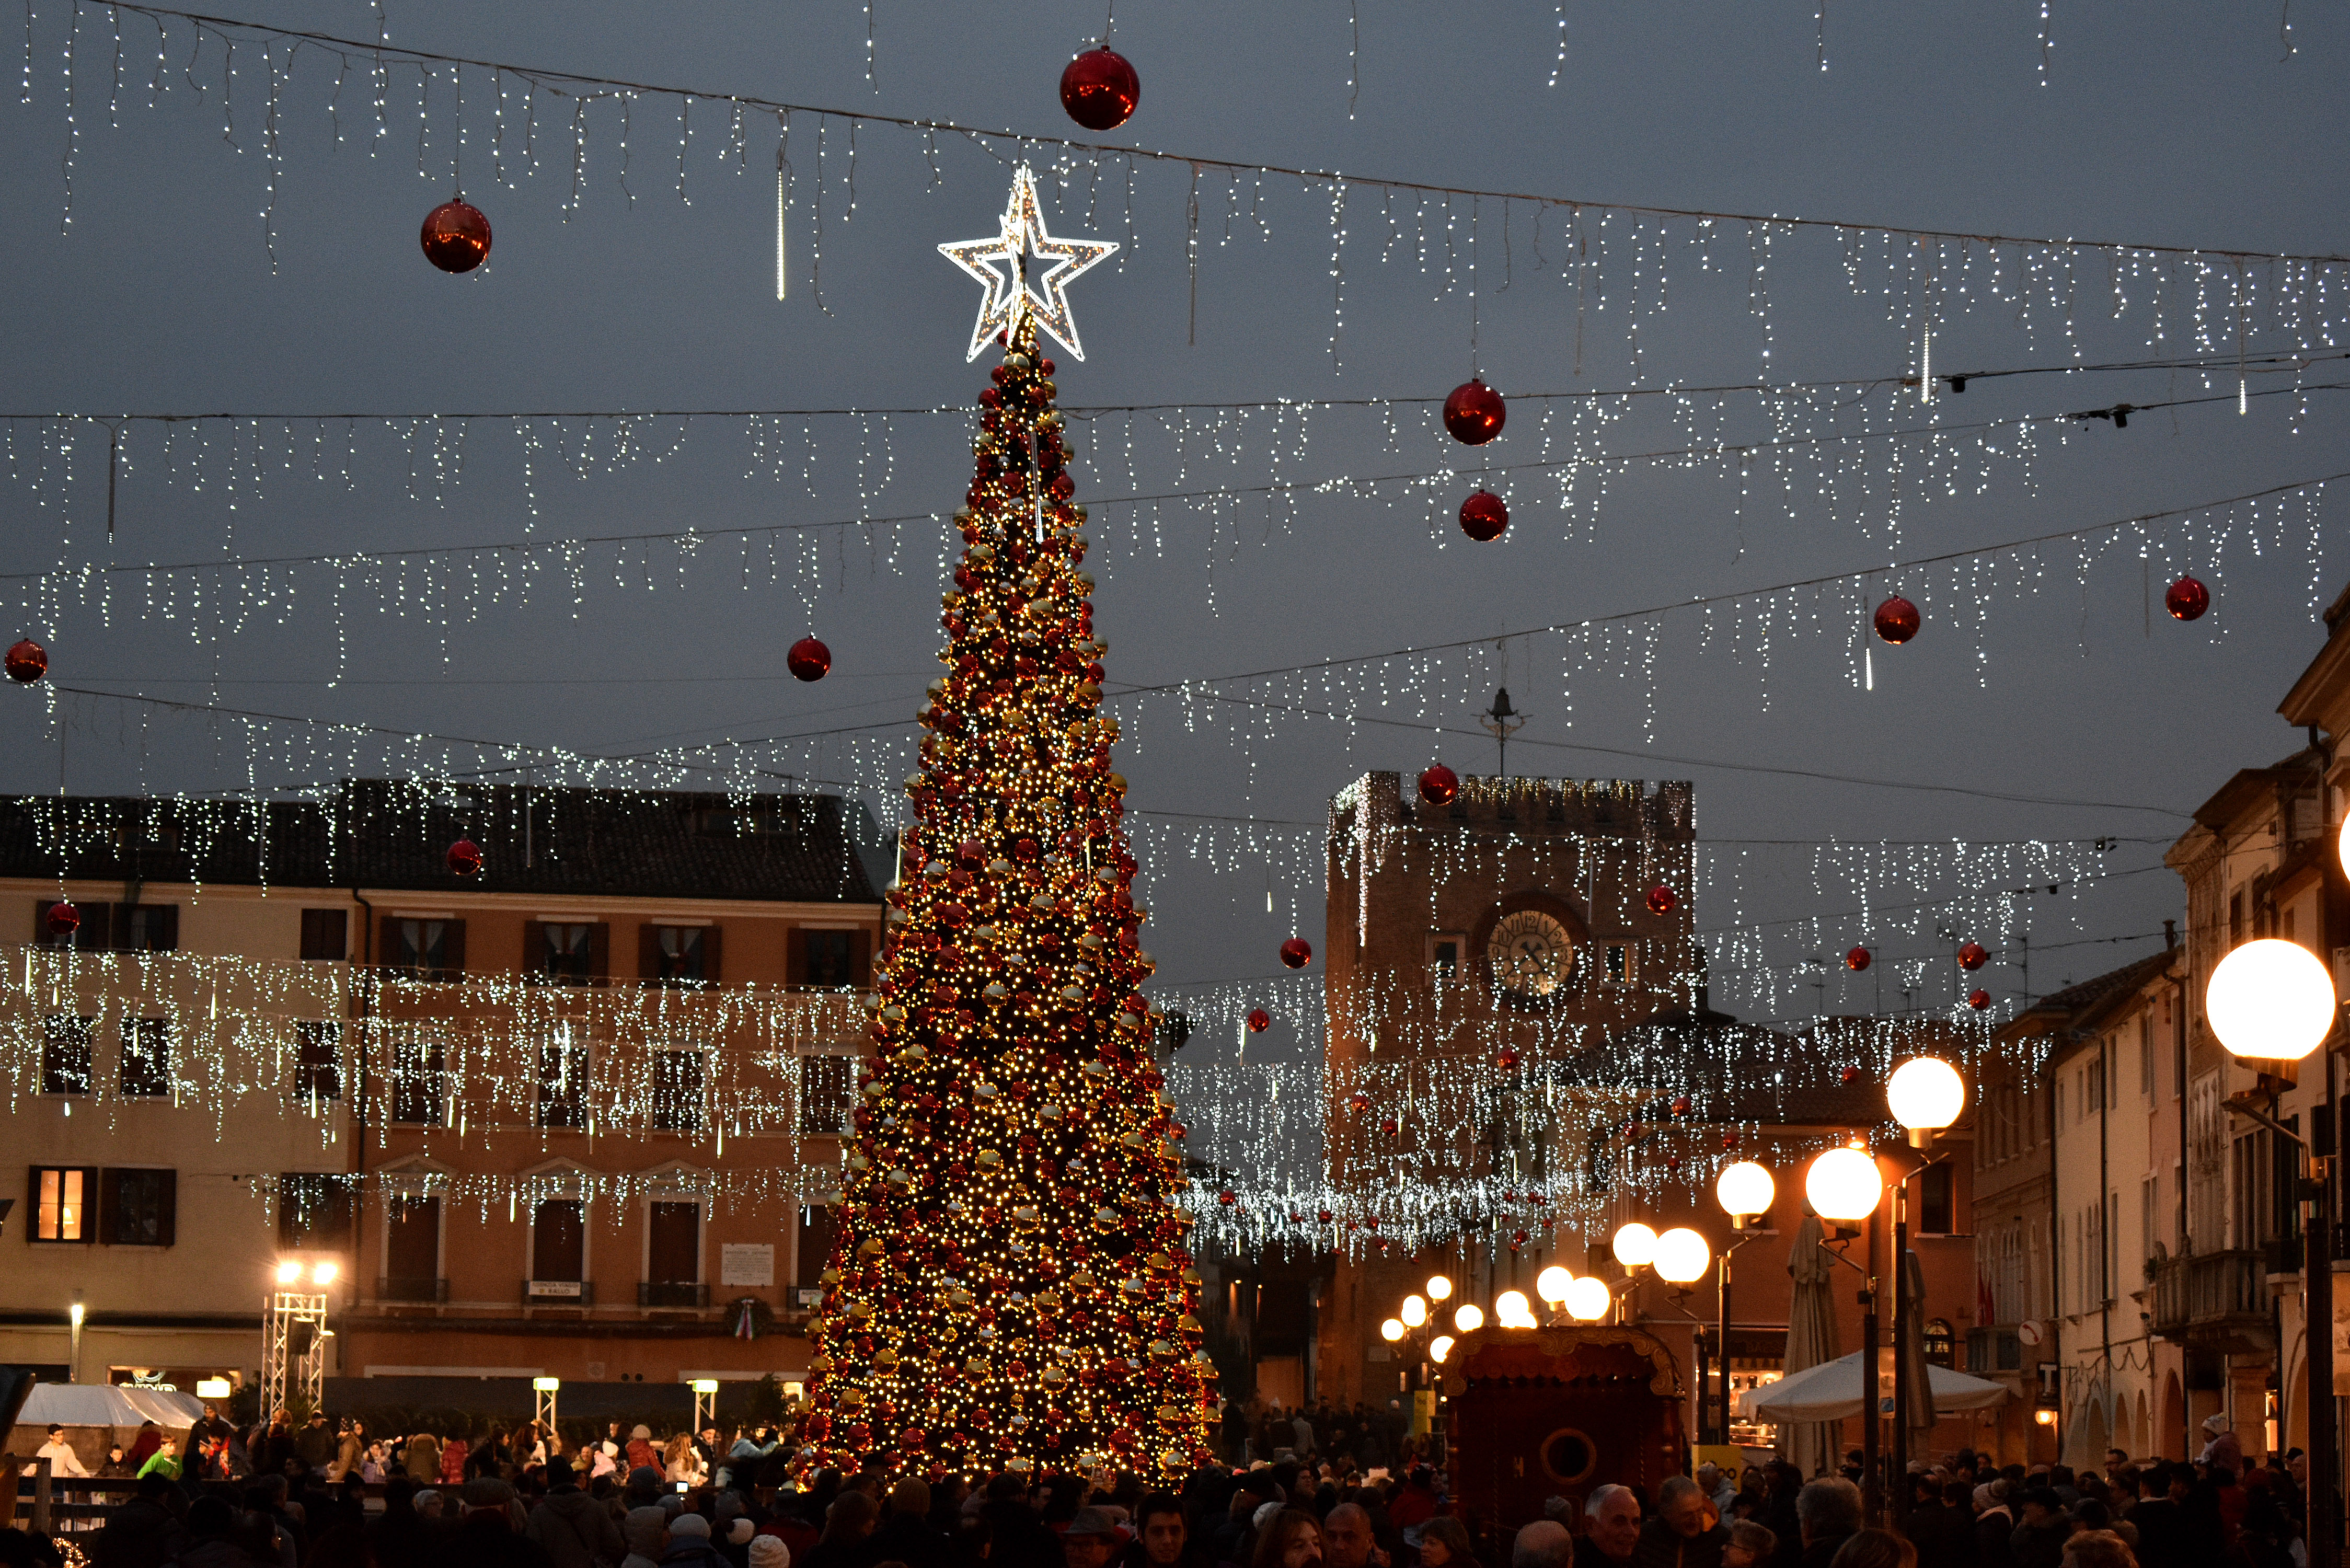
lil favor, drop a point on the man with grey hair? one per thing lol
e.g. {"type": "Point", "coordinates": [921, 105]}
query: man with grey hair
{"type": "Point", "coordinates": [1827, 1511]}
{"type": "Point", "coordinates": [1544, 1543]}
{"type": "Point", "coordinates": [1347, 1541]}
{"type": "Point", "coordinates": [1613, 1530]}
{"type": "Point", "coordinates": [1685, 1534]}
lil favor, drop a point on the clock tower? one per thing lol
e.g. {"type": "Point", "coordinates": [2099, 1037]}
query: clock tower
{"type": "Point", "coordinates": [1477, 949]}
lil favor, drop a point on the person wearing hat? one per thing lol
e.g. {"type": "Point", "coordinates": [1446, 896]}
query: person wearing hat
{"type": "Point", "coordinates": [646, 1531]}
{"type": "Point", "coordinates": [1092, 1539]}
{"type": "Point", "coordinates": [575, 1529]}
{"type": "Point", "coordinates": [642, 1455]}
{"type": "Point", "coordinates": [689, 1545]}
{"type": "Point", "coordinates": [769, 1552]}
{"type": "Point", "coordinates": [2222, 1449]}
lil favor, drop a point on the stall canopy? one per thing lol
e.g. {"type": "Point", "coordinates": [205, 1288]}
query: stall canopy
{"type": "Point", "coordinates": [107, 1405]}
{"type": "Point", "coordinates": [1832, 1391]}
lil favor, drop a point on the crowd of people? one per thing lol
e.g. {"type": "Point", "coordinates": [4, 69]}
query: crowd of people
{"type": "Point", "coordinates": [318, 1494]}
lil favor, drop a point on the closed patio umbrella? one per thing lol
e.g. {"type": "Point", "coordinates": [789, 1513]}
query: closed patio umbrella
{"type": "Point", "coordinates": [1811, 1446]}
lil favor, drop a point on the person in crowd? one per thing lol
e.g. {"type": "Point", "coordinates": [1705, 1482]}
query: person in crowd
{"type": "Point", "coordinates": [144, 1532]}
{"type": "Point", "coordinates": [2040, 1531]}
{"type": "Point", "coordinates": [1994, 1525]}
{"type": "Point", "coordinates": [1093, 1538]}
{"type": "Point", "coordinates": [2221, 1448]}
{"type": "Point", "coordinates": [1875, 1549]}
{"type": "Point", "coordinates": [689, 1545]}
{"type": "Point", "coordinates": [849, 1524]}
{"type": "Point", "coordinates": [455, 1455]}
{"type": "Point", "coordinates": [142, 1446]}
{"type": "Point", "coordinates": [1685, 1533]}
{"type": "Point", "coordinates": [1444, 1543]}
{"type": "Point", "coordinates": [2097, 1549]}
{"type": "Point", "coordinates": [769, 1552]}
{"type": "Point", "coordinates": [646, 1531]}
{"type": "Point", "coordinates": [1717, 1486]}
{"type": "Point", "coordinates": [640, 1453]}
{"type": "Point", "coordinates": [1291, 1539]}
{"type": "Point", "coordinates": [63, 1461]}
{"type": "Point", "coordinates": [1941, 1522]}
{"type": "Point", "coordinates": [575, 1529]}
{"type": "Point", "coordinates": [1611, 1529]}
{"type": "Point", "coordinates": [1827, 1511]}
{"type": "Point", "coordinates": [313, 1445]}
{"type": "Point", "coordinates": [164, 1460]}
{"type": "Point", "coordinates": [904, 1533]}
{"type": "Point", "coordinates": [1750, 1545]}
{"type": "Point", "coordinates": [1348, 1541]}
{"type": "Point", "coordinates": [421, 1458]}
{"type": "Point", "coordinates": [350, 1444]}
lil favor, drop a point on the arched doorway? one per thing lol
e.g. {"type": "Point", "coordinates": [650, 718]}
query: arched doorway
{"type": "Point", "coordinates": [2170, 1435]}
{"type": "Point", "coordinates": [2090, 1437]}
{"type": "Point", "coordinates": [2141, 1436]}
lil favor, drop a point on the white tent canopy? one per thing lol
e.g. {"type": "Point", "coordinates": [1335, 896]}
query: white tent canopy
{"type": "Point", "coordinates": [1832, 1391]}
{"type": "Point", "coordinates": [108, 1405]}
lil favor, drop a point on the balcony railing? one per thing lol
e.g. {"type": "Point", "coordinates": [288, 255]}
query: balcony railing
{"type": "Point", "coordinates": [672, 1294]}
{"type": "Point", "coordinates": [400, 1288]}
{"type": "Point", "coordinates": [559, 1292]}
{"type": "Point", "coordinates": [2213, 1297]}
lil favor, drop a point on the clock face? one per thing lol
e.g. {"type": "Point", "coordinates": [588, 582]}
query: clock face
{"type": "Point", "coordinates": [1531, 953]}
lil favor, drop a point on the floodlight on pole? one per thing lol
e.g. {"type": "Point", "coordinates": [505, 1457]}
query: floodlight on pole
{"type": "Point", "coordinates": [323, 1274]}
{"type": "Point", "coordinates": [543, 1392]}
{"type": "Point", "coordinates": [289, 1271]}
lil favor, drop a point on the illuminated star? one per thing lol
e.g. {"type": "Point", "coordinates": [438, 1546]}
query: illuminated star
{"type": "Point", "coordinates": [1008, 292]}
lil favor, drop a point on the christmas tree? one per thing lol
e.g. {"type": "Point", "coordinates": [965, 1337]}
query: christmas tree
{"type": "Point", "coordinates": [1010, 1289]}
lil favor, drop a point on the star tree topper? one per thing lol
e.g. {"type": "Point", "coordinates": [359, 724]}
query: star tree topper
{"type": "Point", "coordinates": [1009, 293]}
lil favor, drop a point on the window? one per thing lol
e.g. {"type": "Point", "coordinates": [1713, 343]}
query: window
{"type": "Point", "coordinates": [314, 1212]}
{"type": "Point", "coordinates": [558, 1240]}
{"type": "Point", "coordinates": [826, 1093]}
{"type": "Point", "coordinates": [565, 952]}
{"type": "Point", "coordinates": [139, 1207]}
{"type": "Point", "coordinates": [1941, 1344]}
{"type": "Point", "coordinates": [88, 937]}
{"type": "Point", "coordinates": [2236, 918]}
{"type": "Point", "coordinates": [60, 1202]}
{"type": "Point", "coordinates": [819, 1228]}
{"type": "Point", "coordinates": [677, 955]}
{"type": "Point", "coordinates": [326, 934]}
{"type": "Point", "coordinates": [2059, 1087]}
{"type": "Point", "coordinates": [318, 1061]}
{"type": "Point", "coordinates": [146, 928]}
{"type": "Point", "coordinates": [678, 1090]}
{"type": "Point", "coordinates": [2146, 1055]}
{"type": "Point", "coordinates": [563, 1064]}
{"type": "Point", "coordinates": [66, 1054]}
{"type": "Point", "coordinates": [425, 948]}
{"type": "Point", "coordinates": [2149, 1216]}
{"type": "Point", "coordinates": [419, 1081]}
{"type": "Point", "coordinates": [1937, 1207]}
{"type": "Point", "coordinates": [411, 1252]}
{"type": "Point", "coordinates": [1617, 965]}
{"type": "Point", "coordinates": [146, 1058]}
{"type": "Point", "coordinates": [673, 1254]}
{"type": "Point", "coordinates": [830, 959]}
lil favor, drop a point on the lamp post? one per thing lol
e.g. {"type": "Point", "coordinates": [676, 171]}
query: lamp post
{"type": "Point", "coordinates": [1744, 1190]}
{"type": "Point", "coordinates": [1634, 1245]}
{"type": "Point", "coordinates": [2272, 1001]}
{"type": "Point", "coordinates": [1844, 1185]}
{"type": "Point", "coordinates": [1925, 1095]}
{"type": "Point", "coordinates": [73, 1364]}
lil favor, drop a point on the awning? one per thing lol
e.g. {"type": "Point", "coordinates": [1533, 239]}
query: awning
{"type": "Point", "coordinates": [1832, 1391]}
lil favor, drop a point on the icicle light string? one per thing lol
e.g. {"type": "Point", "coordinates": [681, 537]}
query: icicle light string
{"type": "Point", "coordinates": [2041, 279]}
{"type": "Point", "coordinates": [507, 572]}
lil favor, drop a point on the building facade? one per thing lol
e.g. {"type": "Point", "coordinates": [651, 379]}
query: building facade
{"type": "Point", "coordinates": [572, 1115]}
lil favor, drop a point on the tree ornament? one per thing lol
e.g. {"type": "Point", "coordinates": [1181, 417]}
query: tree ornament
{"type": "Point", "coordinates": [1979, 1000]}
{"type": "Point", "coordinates": [1474, 413]}
{"type": "Point", "coordinates": [808, 660]}
{"type": "Point", "coordinates": [1296, 952]}
{"type": "Point", "coordinates": [1506, 1059]}
{"type": "Point", "coordinates": [1228, 1198]}
{"type": "Point", "coordinates": [1681, 1106]}
{"type": "Point", "coordinates": [1000, 263]}
{"type": "Point", "coordinates": [1858, 958]}
{"type": "Point", "coordinates": [64, 920]}
{"type": "Point", "coordinates": [457, 236]}
{"type": "Point", "coordinates": [1662, 900]}
{"type": "Point", "coordinates": [1482, 516]}
{"type": "Point", "coordinates": [1972, 957]}
{"type": "Point", "coordinates": [1259, 1021]}
{"type": "Point", "coordinates": [28, 661]}
{"type": "Point", "coordinates": [1851, 1075]}
{"type": "Point", "coordinates": [1439, 785]}
{"type": "Point", "coordinates": [1100, 89]}
{"type": "Point", "coordinates": [2185, 599]}
{"type": "Point", "coordinates": [1896, 620]}
{"type": "Point", "coordinates": [464, 858]}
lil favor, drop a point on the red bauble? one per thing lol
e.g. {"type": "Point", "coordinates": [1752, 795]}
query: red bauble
{"type": "Point", "coordinates": [1896, 620]}
{"type": "Point", "coordinates": [1100, 89]}
{"type": "Point", "coordinates": [457, 236]}
{"type": "Point", "coordinates": [1474, 413]}
{"type": "Point", "coordinates": [1972, 957]}
{"type": "Point", "coordinates": [2185, 599]}
{"type": "Point", "coordinates": [1259, 1021]}
{"type": "Point", "coordinates": [1360, 1101]}
{"type": "Point", "coordinates": [1857, 959]}
{"type": "Point", "coordinates": [1388, 1126]}
{"type": "Point", "coordinates": [1979, 1000]}
{"type": "Point", "coordinates": [464, 858]}
{"type": "Point", "coordinates": [64, 919]}
{"type": "Point", "coordinates": [1439, 785]}
{"type": "Point", "coordinates": [808, 660]}
{"type": "Point", "coordinates": [1482, 516]}
{"type": "Point", "coordinates": [1507, 1060]}
{"type": "Point", "coordinates": [1296, 952]}
{"type": "Point", "coordinates": [1681, 1107]}
{"type": "Point", "coordinates": [1228, 1198]}
{"type": "Point", "coordinates": [1323, 1217]}
{"type": "Point", "coordinates": [1852, 1074]}
{"type": "Point", "coordinates": [1662, 900]}
{"type": "Point", "coordinates": [28, 661]}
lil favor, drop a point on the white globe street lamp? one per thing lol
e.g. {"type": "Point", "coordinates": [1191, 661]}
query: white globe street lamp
{"type": "Point", "coordinates": [1512, 1310]}
{"type": "Point", "coordinates": [1439, 1288]}
{"type": "Point", "coordinates": [1415, 1311]}
{"type": "Point", "coordinates": [1553, 1284]}
{"type": "Point", "coordinates": [1469, 1317]}
{"type": "Point", "coordinates": [1391, 1331]}
{"type": "Point", "coordinates": [2271, 999]}
{"type": "Point", "coordinates": [1635, 1245]}
{"type": "Point", "coordinates": [1924, 1094]}
{"type": "Point", "coordinates": [1844, 1184]}
{"type": "Point", "coordinates": [1682, 1256]}
{"type": "Point", "coordinates": [1588, 1299]}
{"type": "Point", "coordinates": [1440, 1347]}
{"type": "Point", "coordinates": [1744, 1190]}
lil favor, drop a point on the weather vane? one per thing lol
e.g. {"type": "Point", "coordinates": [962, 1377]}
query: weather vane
{"type": "Point", "coordinates": [1009, 291]}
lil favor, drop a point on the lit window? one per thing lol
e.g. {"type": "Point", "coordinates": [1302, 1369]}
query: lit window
{"type": "Point", "coordinates": [60, 1203]}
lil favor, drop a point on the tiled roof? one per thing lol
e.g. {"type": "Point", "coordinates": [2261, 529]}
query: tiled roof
{"type": "Point", "coordinates": [391, 834]}
{"type": "Point", "coordinates": [2111, 985]}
